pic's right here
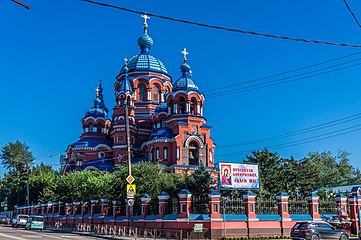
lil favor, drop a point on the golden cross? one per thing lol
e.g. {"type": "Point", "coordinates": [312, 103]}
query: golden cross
{"type": "Point", "coordinates": [145, 17]}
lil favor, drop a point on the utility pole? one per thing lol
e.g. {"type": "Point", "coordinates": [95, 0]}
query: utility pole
{"type": "Point", "coordinates": [130, 199]}
{"type": "Point", "coordinates": [27, 185]}
{"type": "Point", "coordinates": [128, 139]}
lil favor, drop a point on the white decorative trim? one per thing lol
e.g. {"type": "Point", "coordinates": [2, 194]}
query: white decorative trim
{"type": "Point", "coordinates": [191, 138]}
{"type": "Point", "coordinates": [90, 168]}
{"type": "Point", "coordinates": [104, 146]}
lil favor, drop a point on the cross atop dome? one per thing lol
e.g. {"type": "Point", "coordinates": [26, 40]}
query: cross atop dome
{"type": "Point", "coordinates": [125, 61]}
{"type": "Point", "coordinates": [145, 17]}
{"type": "Point", "coordinates": [185, 53]}
{"type": "Point", "coordinates": [99, 88]}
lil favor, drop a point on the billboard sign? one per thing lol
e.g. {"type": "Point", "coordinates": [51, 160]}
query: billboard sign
{"type": "Point", "coordinates": [235, 175]}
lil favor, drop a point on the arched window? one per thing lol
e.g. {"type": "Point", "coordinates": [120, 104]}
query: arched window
{"type": "Point", "coordinates": [170, 106]}
{"type": "Point", "coordinates": [90, 127]}
{"type": "Point", "coordinates": [142, 92]}
{"type": "Point", "coordinates": [182, 106]}
{"type": "Point", "coordinates": [156, 97]}
{"type": "Point", "coordinates": [193, 153]}
{"type": "Point", "coordinates": [162, 122]}
{"type": "Point", "coordinates": [193, 106]}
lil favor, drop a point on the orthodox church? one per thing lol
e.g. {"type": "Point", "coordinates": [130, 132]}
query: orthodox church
{"type": "Point", "coordinates": [154, 119]}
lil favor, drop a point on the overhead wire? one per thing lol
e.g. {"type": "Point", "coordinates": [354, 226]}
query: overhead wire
{"type": "Point", "coordinates": [297, 132]}
{"type": "Point", "coordinates": [302, 141]}
{"type": "Point", "coordinates": [351, 12]}
{"type": "Point", "coordinates": [225, 28]}
{"type": "Point", "coordinates": [280, 81]}
{"type": "Point", "coordinates": [282, 73]}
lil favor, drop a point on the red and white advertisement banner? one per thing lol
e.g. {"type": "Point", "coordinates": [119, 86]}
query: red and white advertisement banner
{"type": "Point", "coordinates": [235, 175]}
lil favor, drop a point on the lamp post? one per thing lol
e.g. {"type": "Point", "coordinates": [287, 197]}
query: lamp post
{"type": "Point", "coordinates": [225, 200]}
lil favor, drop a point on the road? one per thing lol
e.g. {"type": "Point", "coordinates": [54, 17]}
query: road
{"type": "Point", "coordinates": [10, 233]}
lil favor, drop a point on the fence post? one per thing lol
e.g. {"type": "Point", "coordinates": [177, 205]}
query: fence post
{"type": "Point", "coordinates": [61, 209]}
{"type": "Point", "coordinates": [214, 204]}
{"type": "Point", "coordinates": [76, 205]}
{"type": "Point", "coordinates": [116, 208]}
{"type": "Point", "coordinates": [282, 204]}
{"type": "Point", "coordinates": [355, 203]}
{"type": "Point", "coordinates": [184, 203]}
{"type": "Point", "coordinates": [43, 208]}
{"type": "Point", "coordinates": [145, 200]}
{"type": "Point", "coordinates": [341, 204]}
{"type": "Point", "coordinates": [313, 206]}
{"type": "Point", "coordinates": [83, 208]}
{"type": "Point", "coordinates": [162, 204]}
{"type": "Point", "coordinates": [250, 205]}
{"type": "Point", "coordinates": [49, 208]}
{"type": "Point", "coordinates": [55, 207]}
{"type": "Point", "coordinates": [93, 206]}
{"type": "Point", "coordinates": [104, 206]}
{"type": "Point", "coordinates": [68, 209]}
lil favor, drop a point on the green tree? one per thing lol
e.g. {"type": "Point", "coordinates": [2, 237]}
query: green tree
{"type": "Point", "coordinates": [17, 159]}
{"type": "Point", "coordinates": [270, 171]}
{"type": "Point", "coordinates": [43, 182]}
{"type": "Point", "coordinates": [199, 182]}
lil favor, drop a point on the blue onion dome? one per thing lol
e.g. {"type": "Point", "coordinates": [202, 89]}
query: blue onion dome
{"type": "Point", "coordinates": [124, 84]}
{"type": "Point", "coordinates": [145, 42]}
{"type": "Point", "coordinates": [185, 82]}
{"type": "Point", "coordinates": [163, 107]}
{"type": "Point", "coordinates": [99, 109]}
{"type": "Point", "coordinates": [146, 61]}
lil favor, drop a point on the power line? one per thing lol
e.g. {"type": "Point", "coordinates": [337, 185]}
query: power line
{"type": "Point", "coordinates": [56, 149]}
{"type": "Point", "coordinates": [303, 141]}
{"type": "Point", "coordinates": [282, 73]}
{"type": "Point", "coordinates": [279, 81]}
{"type": "Point", "coordinates": [297, 132]}
{"type": "Point", "coordinates": [353, 15]}
{"type": "Point", "coordinates": [225, 28]}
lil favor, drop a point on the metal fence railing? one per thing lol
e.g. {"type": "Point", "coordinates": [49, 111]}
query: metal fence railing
{"type": "Point", "coordinates": [328, 206]}
{"type": "Point", "coordinates": [298, 206]}
{"type": "Point", "coordinates": [232, 205]}
{"type": "Point", "coordinates": [266, 206]}
{"type": "Point", "coordinates": [200, 205]}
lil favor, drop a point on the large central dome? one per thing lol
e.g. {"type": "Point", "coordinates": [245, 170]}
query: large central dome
{"type": "Point", "coordinates": [146, 61]}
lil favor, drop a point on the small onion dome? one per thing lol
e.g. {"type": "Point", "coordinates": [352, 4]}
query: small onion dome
{"type": "Point", "coordinates": [146, 61]}
{"type": "Point", "coordinates": [124, 85]}
{"type": "Point", "coordinates": [96, 112]}
{"type": "Point", "coordinates": [145, 42]}
{"type": "Point", "coordinates": [99, 109]}
{"type": "Point", "coordinates": [185, 82]}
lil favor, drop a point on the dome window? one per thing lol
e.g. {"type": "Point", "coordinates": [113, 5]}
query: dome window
{"type": "Point", "coordinates": [142, 92]}
{"type": "Point", "coordinates": [182, 106]}
{"type": "Point", "coordinates": [156, 94]}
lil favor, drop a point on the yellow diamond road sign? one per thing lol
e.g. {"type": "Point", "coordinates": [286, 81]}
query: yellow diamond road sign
{"type": "Point", "coordinates": [130, 179]}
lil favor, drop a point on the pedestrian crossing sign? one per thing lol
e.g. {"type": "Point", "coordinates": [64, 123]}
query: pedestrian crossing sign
{"type": "Point", "coordinates": [131, 190]}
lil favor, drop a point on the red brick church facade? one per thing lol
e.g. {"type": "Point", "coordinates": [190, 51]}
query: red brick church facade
{"type": "Point", "coordinates": [165, 119]}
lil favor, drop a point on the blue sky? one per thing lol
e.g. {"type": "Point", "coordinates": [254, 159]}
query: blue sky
{"type": "Point", "coordinates": [53, 55]}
